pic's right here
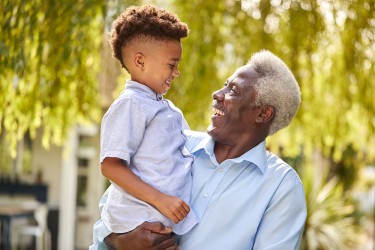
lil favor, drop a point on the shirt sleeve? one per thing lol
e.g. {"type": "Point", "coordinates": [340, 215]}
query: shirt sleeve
{"type": "Point", "coordinates": [284, 219]}
{"type": "Point", "coordinates": [122, 130]}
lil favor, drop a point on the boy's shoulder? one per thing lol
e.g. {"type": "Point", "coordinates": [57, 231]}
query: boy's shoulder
{"type": "Point", "coordinates": [128, 95]}
{"type": "Point", "coordinates": [171, 104]}
{"type": "Point", "coordinates": [124, 96]}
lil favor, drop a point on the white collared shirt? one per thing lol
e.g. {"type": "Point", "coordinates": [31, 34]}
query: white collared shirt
{"type": "Point", "coordinates": [255, 201]}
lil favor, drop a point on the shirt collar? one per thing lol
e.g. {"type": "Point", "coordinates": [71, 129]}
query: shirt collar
{"type": "Point", "coordinates": [256, 155]}
{"type": "Point", "coordinates": [141, 88]}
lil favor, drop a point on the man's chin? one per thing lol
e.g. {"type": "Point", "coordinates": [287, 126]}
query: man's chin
{"type": "Point", "coordinates": [211, 130]}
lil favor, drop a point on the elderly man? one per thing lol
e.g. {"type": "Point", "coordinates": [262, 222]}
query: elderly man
{"type": "Point", "coordinates": [244, 196]}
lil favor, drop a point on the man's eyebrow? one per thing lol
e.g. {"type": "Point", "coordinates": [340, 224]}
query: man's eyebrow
{"type": "Point", "coordinates": [230, 82]}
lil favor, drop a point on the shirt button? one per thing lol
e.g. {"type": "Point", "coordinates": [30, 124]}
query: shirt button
{"type": "Point", "coordinates": [205, 195]}
{"type": "Point", "coordinates": [220, 170]}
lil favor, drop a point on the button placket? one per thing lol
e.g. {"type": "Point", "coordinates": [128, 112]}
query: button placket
{"type": "Point", "coordinates": [210, 187]}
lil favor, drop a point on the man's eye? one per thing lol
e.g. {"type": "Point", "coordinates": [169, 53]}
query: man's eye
{"type": "Point", "coordinates": [171, 65]}
{"type": "Point", "coordinates": [232, 92]}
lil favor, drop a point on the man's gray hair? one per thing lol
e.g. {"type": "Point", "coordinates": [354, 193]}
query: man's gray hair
{"type": "Point", "coordinates": [277, 87]}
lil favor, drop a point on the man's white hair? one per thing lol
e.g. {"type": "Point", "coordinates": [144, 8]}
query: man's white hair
{"type": "Point", "coordinates": [277, 87]}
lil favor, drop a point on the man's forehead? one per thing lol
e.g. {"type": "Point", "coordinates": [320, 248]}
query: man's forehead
{"type": "Point", "coordinates": [246, 72]}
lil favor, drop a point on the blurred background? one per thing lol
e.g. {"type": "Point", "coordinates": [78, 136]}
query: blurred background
{"type": "Point", "coordinates": [58, 77]}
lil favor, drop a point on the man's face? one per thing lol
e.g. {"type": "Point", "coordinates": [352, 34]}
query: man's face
{"type": "Point", "coordinates": [234, 114]}
{"type": "Point", "coordinates": [161, 65]}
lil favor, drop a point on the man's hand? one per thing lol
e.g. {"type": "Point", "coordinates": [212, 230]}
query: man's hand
{"type": "Point", "coordinates": [148, 235]}
{"type": "Point", "coordinates": [172, 207]}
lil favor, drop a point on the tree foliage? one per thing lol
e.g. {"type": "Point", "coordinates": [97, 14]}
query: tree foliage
{"type": "Point", "coordinates": [202, 55]}
{"type": "Point", "coordinates": [49, 55]}
{"type": "Point", "coordinates": [330, 222]}
{"type": "Point", "coordinates": [329, 45]}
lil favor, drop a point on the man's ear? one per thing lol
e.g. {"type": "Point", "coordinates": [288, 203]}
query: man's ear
{"type": "Point", "coordinates": [139, 61]}
{"type": "Point", "coordinates": [266, 113]}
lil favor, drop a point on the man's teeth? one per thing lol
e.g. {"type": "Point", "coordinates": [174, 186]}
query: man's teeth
{"type": "Point", "coordinates": [218, 112]}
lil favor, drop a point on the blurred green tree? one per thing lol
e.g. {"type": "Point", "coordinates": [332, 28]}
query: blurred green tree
{"type": "Point", "coordinates": [330, 220]}
{"type": "Point", "coordinates": [330, 47]}
{"type": "Point", "coordinates": [49, 56]}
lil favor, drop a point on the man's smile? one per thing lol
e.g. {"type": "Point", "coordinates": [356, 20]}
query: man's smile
{"type": "Point", "coordinates": [217, 112]}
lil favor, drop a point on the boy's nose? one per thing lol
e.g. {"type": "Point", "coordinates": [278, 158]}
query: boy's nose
{"type": "Point", "coordinates": [176, 72]}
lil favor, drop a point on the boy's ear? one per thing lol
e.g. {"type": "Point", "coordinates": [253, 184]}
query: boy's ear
{"type": "Point", "coordinates": [266, 113]}
{"type": "Point", "coordinates": [139, 61]}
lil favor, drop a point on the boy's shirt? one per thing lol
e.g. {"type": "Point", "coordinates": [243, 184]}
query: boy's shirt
{"type": "Point", "coordinates": [146, 131]}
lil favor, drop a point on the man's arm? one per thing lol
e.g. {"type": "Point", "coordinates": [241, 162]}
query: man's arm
{"type": "Point", "coordinates": [284, 219]}
{"type": "Point", "coordinates": [149, 235]}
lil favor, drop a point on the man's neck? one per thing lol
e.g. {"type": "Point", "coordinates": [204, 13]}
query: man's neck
{"type": "Point", "coordinates": [224, 151]}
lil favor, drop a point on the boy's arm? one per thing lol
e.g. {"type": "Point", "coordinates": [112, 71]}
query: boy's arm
{"type": "Point", "coordinates": [118, 172]}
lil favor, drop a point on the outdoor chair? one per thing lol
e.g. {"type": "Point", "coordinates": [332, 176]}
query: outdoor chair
{"type": "Point", "coordinates": [40, 231]}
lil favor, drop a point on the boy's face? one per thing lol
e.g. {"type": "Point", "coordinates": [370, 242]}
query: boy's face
{"type": "Point", "coordinates": [161, 65]}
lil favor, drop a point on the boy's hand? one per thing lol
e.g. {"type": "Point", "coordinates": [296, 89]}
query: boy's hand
{"type": "Point", "coordinates": [172, 207]}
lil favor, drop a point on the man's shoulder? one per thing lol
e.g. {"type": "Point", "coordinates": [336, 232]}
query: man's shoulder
{"type": "Point", "coordinates": [277, 166]}
{"type": "Point", "coordinates": [195, 135]}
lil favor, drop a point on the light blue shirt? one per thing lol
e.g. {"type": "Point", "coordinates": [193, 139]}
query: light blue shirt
{"type": "Point", "coordinates": [255, 201]}
{"type": "Point", "coordinates": [146, 132]}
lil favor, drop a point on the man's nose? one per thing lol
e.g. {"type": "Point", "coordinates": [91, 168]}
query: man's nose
{"type": "Point", "coordinates": [218, 95]}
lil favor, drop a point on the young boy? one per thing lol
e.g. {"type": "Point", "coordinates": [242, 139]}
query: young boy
{"type": "Point", "coordinates": [142, 139]}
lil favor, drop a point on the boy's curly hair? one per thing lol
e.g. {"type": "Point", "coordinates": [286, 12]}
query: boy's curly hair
{"type": "Point", "coordinates": [145, 21]}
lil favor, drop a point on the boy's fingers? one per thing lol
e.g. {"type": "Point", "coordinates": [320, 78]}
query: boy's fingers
{"type": "Point", "coordinates": [187, 208]}
{"type": "Point", "coordinates": [180, 215]}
